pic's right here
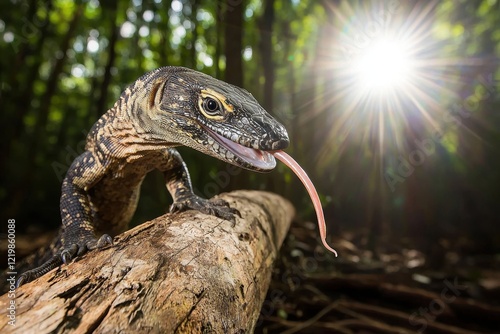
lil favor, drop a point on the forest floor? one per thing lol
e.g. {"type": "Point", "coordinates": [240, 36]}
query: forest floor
{"type": "Point", "coordinates": [394, 289]}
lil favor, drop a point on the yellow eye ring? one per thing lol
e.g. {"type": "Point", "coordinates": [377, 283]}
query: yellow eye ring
{"type": "Point", "coordinates": [214, 105]}
{"type": "Point", "coordinates": [208, 111]}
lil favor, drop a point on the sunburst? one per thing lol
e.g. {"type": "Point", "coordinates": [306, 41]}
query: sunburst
{"type": "Point", "coordinates": [387, 75]}
{"type": "Point", "coordinates": [386, 67]}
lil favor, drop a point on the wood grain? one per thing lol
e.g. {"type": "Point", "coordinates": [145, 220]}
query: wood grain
{"type": "Point", "coordinates": [179, 273]}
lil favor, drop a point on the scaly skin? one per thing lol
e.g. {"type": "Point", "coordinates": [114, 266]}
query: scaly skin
{"type": "Point", "coordinates": [167, 107]}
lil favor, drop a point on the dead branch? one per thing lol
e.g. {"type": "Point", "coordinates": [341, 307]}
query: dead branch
{"type": "Point", "coordinates": [179, 273]}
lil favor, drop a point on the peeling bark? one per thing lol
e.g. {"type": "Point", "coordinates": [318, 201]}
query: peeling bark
{"type": "Point", "coordinates": [179, 273]}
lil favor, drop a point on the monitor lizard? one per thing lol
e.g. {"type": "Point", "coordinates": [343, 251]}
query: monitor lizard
{"type": "Point", "coordinates": [165, 108]}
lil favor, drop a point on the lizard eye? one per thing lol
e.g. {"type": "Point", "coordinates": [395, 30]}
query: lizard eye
{"type": "Point", "coordinates": [211, 106]}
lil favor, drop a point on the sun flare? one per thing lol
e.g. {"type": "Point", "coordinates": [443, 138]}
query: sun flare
{"type": "Point", "coordinates": [384, 76]}
{"type": "Point", "coordinates": [385, 66]}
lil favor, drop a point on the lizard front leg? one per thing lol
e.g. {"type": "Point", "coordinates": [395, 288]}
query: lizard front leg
{"type": "Point", "coordinates": [179, 185]}
{"type": "Point", "coordinates": [77, 234]}
{"type": "Point", "coordinates": [78, 230]}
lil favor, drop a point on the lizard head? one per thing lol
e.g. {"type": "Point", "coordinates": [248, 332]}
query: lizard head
{"type": "Point", "coordinates": [214, 117]}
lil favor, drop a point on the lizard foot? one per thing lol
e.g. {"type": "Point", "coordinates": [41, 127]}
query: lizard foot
{"type": "Point", "coordinates": [216, 207]}
{"type": "Point", "coordinates": [65, 257]}
{"type": "Point", "coordinates": [83, 245]}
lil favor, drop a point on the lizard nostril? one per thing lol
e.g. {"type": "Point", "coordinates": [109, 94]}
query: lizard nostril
{"type": "Point", "coordinates": [280, 144]}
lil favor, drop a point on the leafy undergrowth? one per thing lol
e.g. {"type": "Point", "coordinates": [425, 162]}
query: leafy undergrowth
{"type": "Point", "coordinates": [393, 289]}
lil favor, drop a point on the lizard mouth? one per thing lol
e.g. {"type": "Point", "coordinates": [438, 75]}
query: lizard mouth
{"type": "Point", "coordinates": [251, 158]}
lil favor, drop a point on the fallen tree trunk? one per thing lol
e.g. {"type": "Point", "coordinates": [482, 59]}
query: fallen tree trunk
{"type": "Point", "coordinates": [179, 273]}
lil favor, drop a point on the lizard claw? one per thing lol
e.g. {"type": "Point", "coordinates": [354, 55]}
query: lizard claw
{"type": "Point", "coordinates": [104, 241]}
{"type": "Point", "coordinates": [215, 207]}
{"type": "Point", "coordinates": [21, 280]}
{"type": "Point", "coordinates": [93, 243]}
{"type": "Point", "coordinates": [68, 253]}
{"type": "Point", "coordinates": [85, 244]}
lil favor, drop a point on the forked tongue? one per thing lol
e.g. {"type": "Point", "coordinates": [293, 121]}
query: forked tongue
{"type": "Point", "coordinates": [302, 175]}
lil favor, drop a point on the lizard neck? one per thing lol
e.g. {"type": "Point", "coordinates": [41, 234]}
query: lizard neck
{"type": "Point", "coordinates": [119, 135]}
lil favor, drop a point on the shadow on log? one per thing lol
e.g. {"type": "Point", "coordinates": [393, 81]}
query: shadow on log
{"type": "Point", "coordinates": [179, 273]}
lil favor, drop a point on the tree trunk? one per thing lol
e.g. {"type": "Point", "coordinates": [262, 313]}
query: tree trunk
{"type": "Point", "coordinates": [219, 12]}
{"type": "Point", "coordinates": [179, 273]}
{"type": "Point", "coordinates": [266, 49]}
{"type": "Point", "coordinates": [194, 35]}
{"type": "Point", "coordinates": [26, 94]}
{"type": "Point", "coordinates": [164, 47]}
{"type": "Point", "coordinates": [38, 137]}
{"type": "Point", "coordinates": [102, 105]}
{"type": "Point", "coordinates": [234, 42]}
